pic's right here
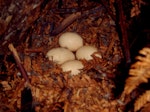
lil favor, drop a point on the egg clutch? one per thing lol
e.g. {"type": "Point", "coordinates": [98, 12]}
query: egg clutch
{"type": "Point", "coordinates": [70, 52]}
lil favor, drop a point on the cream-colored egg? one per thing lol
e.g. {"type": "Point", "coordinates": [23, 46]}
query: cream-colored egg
{"type": "Point", "coordinates": [60, 55]}
{"type": "Point", "coordinates": [71, 41]}
{"type": "Point", "coordinates": [73, 66]}
{"type": "Point", "coordinates": [86, 52]}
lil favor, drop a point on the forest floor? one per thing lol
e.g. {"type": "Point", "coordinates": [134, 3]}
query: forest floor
{"type": "Point", "coordinates": [34, 28]}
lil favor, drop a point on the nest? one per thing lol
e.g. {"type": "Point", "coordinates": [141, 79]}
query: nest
{"type": "Point", "coordinates": [53, 90]}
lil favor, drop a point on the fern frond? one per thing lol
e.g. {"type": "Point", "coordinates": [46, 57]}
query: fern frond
{"type": "Point", "coordinates": [139, 72]}
{"type": "Point", "coordinates": [141, 101]}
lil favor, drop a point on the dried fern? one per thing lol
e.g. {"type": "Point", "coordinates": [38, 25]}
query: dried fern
{"type": "Point", "coordinates": [139, 71]}
{"type": "Point", "coordinates": [141, 101]}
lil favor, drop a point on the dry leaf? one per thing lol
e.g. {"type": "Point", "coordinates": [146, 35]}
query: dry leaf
{"type": "Point", "coordinates": [139, 72]}
{"type": "Point", "coordinates": [141, 101]}
{"type": "Point", "coordinates": [6, 85]}
{"type": "Point", "coordinates": [135, 10]}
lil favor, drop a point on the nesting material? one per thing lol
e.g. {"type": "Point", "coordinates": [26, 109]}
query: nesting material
{"type": "Point", "coordinates": [73, 66]}
{"type": "Point", "coordinates": [86, 53]}
{"type": "Point", "coordinates": [71, 41]}
{"type": "Point", "coordinates": [60, 55]}
{"type": "Point", "coordinates": [53, 90]}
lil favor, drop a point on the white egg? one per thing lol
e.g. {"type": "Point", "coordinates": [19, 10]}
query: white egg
{"type": "Point", "coordinates": [86, 52]}
{"type": "Point", "coordinates": [71, 41]}
{"type": "Point", "coordinates": [73, 66]}
{"type": "Point", "coordinates": [60, 55]}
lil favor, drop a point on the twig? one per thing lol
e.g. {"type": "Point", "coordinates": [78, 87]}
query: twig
{"type": "Point", "coordinates": [18, 61]}
{"type": "Point", "coordinates": [66, 22]}
{"type": "Point", "coordinates": [38, 50]}
{"type": "Point", "coordinates": [70, 19]}
{"type": "Point", "coordinates": [124, 35]}
{"type": "Point", "coordinates": [110, 45]}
